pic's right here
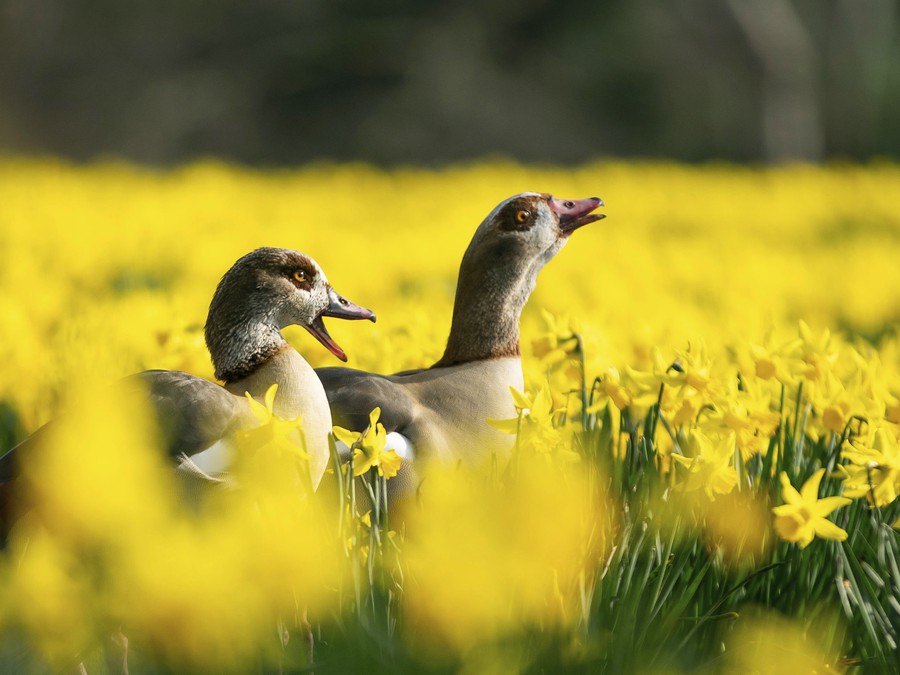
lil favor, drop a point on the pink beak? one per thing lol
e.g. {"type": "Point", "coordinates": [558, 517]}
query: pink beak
{"type": "Point", "coordinates": [575, 213]}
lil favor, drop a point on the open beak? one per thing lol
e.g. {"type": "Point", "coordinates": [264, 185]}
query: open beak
{"type": "Point", "coordinates": [575, 213]}
{"type": "Point", "coordinates": [340, 308]}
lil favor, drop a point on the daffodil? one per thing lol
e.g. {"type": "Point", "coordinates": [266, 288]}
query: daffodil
{"type": "Point", "coordinates": [369, 448]}
{"type": "Point", "coordinates": [536, 426]}
{"type": "Point", "coordinates": [747, 411]}
{"type": "Point", "coordinates": [557, 342]}
{"type": "Point", "coordinates": [609, 388]}
{"type": "Point", "coordinates": [817, 352]}
{"type": "Point", "coordinates": [273, 453]}
{"type": "Point", "coordinates": [874, 469]}
{"type": "Point", "coordinates": [274, 432]}
{"type": "Point", "coordinates": [892, 408]}
{"type": "Point", "coordinates": [839, 401]}
{"type": "Point", "coordinates": [803, 516]}
{"type": "Point", "coordinates": [688, 407]}
{"type": "Point", "coordinates": [538, 408]}
{"type": "Point", "coordinates": [692, 368]}
{"type": "Point", "coordinates": [782, 361]}
{"type": "Point", "coordinates": [683, 382]}
{"type": "Point", "coordinates": [644, 384]}
{"type": "Point", "coordinates": [709, 463]}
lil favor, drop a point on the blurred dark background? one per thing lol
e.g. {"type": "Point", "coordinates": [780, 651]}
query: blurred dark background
{"type": "Point", "coordinates": [275, 82]}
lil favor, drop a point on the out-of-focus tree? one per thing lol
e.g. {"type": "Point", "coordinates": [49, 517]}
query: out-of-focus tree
{"type": "Point", "coordinates": [286, 81]}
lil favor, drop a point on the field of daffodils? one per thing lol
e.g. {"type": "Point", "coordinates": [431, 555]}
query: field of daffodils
{"type": "Point", "coordinates": [707, 453]}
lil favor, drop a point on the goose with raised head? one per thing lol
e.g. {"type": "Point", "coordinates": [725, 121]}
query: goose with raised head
{"type": "Point", "coordinates": [440, 412]}
{"type": "Point", "coordinates": [263, 292]}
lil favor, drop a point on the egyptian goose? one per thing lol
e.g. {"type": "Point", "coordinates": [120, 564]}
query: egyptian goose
{"type": "Point", "coordinates": [263, 292]}
{"type": "Point", "coordinates": [439, 412]}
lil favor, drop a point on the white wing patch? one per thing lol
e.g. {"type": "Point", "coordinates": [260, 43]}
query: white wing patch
{"type": "Point", "coordinates": [401, 445]}
{"type": "Point", "coordinates": [216, 459]}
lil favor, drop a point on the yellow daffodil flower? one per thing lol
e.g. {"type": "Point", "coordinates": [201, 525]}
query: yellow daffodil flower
{"type": "Point", "coordinates": [746, 411]}
{"type": "Point", "coordinates": [273, 432]}
{"type": "Point", "coordinates": [817, 352]}
{"type": "Point", "coordinates": [610, 388]}
{"type": "Point", "coordinates": [369, 448]}
{"type": "Point", "coordinates": [557, 342]}
{"type": "Point", "coordinates": [782, 361]}
{"type": "Point", "coordinates": [709, 463]}
{"type": "Point", "coordinates": [536, 426]}
{"type": "Point", "coordinates": [802, 518]}
{"type": "Point", "coordinates": [874, 469]}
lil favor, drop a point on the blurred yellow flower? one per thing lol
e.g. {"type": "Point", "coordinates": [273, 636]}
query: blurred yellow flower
{"type": "Point", "coordinates": [274, 452]}
{"type": "Point", "coordinates": [802, 517]}
{"type": "Point", "coordinates": [817, 351]}
{"type": "Point", "coordinates": [782, 361]}
{"type": "Point", "coordinates": [502, 556]}
{"type": "Point", "coordinates": [282, 435]}
{"type": "Point", "coordinates": [644, 385]}
{"type": "Point", "coordinates": [46, 589]}
{"type": "Point", "coordinates": [557, 342]}
{"type": "Point", "coordinates": [96, 474]}
{"type": "Point", "coordinates": [539, 432]}
{"type": "Point", "coordinates": [768, 642]}
{"type": "Point", "coordinates": [709, 463]}
{"type": "Point", "coordinates": [874, 469]}
{"type": "Point", "coordinates": [750, 540]}
{"type": "Point", "coordinates": [610, 388]}
{"type": "Point", "coordinates": [746, 411]}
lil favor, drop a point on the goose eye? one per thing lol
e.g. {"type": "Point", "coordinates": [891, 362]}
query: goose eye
{"type": "Point", "coordinates": [300, 275]}
{"type": "Point", "coordinates": [522, 216]}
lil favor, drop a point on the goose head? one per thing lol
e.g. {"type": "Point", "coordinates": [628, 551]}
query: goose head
{"type": "Point", "coordinates": [515, 241]}
{"type": "Point", "coordinates": [500, 267]}
{"type": "Point", "coordinates": [533, 227]}
{"type": "Point", "coordinates": [263, 292]}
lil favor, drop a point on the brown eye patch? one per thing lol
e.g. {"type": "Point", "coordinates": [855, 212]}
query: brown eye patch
{"type": "Point", "coordinates": [518, 215]}
{"type": "Point", "coordinates": [302, 277]}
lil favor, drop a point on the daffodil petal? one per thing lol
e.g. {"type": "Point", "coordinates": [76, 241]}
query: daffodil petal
{"type": "Point", "coordinates": [791, 527]}
{"type": "Point", "coordinates": [260, 412]}
{"type": "Point", "coordinates": [825, 506]}
{"type": "Point", "coordinates": [520, 400]}
{"type": "Point", "coordinates": [269, 397]}
{"type": "Point", "coordinates": [345, 435]}
{"type": "Point", "coordinates": [506, 426]}
{"type": "Point", "coordinates": [543, 402]}
{"type": "Point", "coordinates": [361, 462]}
{"type": "Point", "coordinates": [375, 441]}
{"type": "Point", "coordinates": [828, 530]}
{"type": "Point", "coordinates": [789, 492]}
{"type": "Point", "coordinates": [389, 464]}
{"type": "Point", "coordinates": [810, 490]}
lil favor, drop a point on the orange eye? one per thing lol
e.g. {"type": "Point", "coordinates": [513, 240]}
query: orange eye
{"type": "Point", "coordinates": [300, 276]}
{"type": "Point", "coordinates": [522, 216]}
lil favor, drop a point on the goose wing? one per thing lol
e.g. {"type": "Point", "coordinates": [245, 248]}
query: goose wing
{"type": "Point", "coordinates": [192, 413]}
{"type": "Point", "coordinates": [353, 394]}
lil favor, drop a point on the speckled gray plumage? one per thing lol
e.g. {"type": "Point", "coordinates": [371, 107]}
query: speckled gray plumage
{"type": "Point", "coordinates": [252, 302]}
